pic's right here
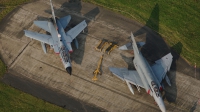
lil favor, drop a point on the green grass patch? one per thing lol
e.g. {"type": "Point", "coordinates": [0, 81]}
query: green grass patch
{"type": "Point", "coordinates": [177, 21]}
{"type": "Point", "coordinates": [2, 69]}
{"type": "Point", "coordinates": [11, 99]}
{"type": "Point", "coordinates": [7, 6]}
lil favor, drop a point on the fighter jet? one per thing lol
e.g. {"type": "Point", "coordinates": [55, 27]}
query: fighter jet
{"type": "Point", "coordinates": [59, 40]}
{"type": "Point", "coordinates": [145, 76]}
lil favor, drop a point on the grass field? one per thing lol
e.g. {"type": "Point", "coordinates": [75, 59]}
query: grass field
{"type": "Point", "coordinates": [177, 21]}
{"type": "Point", "coordinates": [11, 99]}
{"type": "Point", "coordinates": [7, 6]}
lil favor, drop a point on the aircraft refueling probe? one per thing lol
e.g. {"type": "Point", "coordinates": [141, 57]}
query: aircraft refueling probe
{"type": "Point", "coordinates": [97, 71]}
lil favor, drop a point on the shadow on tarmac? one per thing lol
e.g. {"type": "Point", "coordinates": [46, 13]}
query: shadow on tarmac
{"type": "Point", "coordinates": [171, 92]}
{"type": "Point", "coordinates": [155, 48]}
{"type": "Point", "coordinates": [129, 61]}
{"type": "Point", "coordinates": [194, 106]}
{"type": "Point", "coordinates": [48, 94]}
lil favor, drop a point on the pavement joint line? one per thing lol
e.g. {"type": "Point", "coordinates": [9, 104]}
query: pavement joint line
{"type": "Point", "coordinates": [77, 14]}
{"type": "Point", "coordinates": [14, 39]}
{"type": "Point", "coordinates": [183, 104]}
{"type": "Point", "coordinates": [34, 14]}
{"type": "Point", "coordinates": [29, 11]}
{"type": "Point", "coordinates": [101, 22]}
{"type": "Point", "coordinates": [136, 100]}
{"type": "Point", "coordinates": [180, 89]}
{"type": "Point", "coordinates": [15, 59]}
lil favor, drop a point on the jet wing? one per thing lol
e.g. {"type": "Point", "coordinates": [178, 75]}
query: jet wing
{"type": "Point", "coordinates": [161, 66]}
{"type": "Point", "coordinates": [40, 37]}
{"type": "Point", "coordinates": [72, 33]}
{"type": "Point", "coordinates": [64, 21]}
{"type": "Point", "coordinates": [127, 75]}
{"type": "Point", "coordinates": [43, 25]}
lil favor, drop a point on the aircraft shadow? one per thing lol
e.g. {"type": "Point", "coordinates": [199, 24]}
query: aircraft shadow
{"type": "Point", "coordinates": [129, 61]}
{"type": "Point", "coordinates": [155, 48]}
{"type": "Point", "coordinates": [171, 92]}
{"type": "Point", "coordinates": [75, 6]}
{"type": "Point", "coordinates": [41, 18]}
{"type": "Point", "coordinates": [194, 106]}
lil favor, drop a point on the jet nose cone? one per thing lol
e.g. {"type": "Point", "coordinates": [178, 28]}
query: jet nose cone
{"type": "Point", "coordinates": [69, 70]}
{"type": "Point", "coordinates": [163, 109]}
{"type": "Point", "coordinates": [162, 106]}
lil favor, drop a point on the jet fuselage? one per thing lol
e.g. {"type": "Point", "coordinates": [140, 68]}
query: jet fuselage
{"type": "Point", "coordinates": [148, 78]}
{"type": "Point", "coordinates": [57, 32]}
{"type": "Point", "coordinates": [64, 51]}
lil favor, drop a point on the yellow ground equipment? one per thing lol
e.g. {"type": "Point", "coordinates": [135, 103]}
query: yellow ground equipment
{"type": "Point", "coordinates": [112, 48]}
{"type": "Point", "coordinates": [97, 71]}
{"type": "Point", "coordinates": [101, 45]}
{"type": "Point", "coordinates": [108, 47]}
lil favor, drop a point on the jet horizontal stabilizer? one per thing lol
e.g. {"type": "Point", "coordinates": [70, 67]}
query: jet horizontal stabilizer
{"type": "Point", "coordinates": [140, 44]}
{"type": "Point", "coordinates": [161, 66]}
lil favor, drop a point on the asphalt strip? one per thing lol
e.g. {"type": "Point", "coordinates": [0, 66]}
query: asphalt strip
{"type": "Point", "coordinates": [52, 96]}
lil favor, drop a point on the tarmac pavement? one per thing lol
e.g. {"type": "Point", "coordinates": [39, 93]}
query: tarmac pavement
{"type": "Point", "coordinates": [43, 75]}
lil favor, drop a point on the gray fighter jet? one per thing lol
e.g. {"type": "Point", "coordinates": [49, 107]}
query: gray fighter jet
{"type": "Point", "coordinates": [59, 40]}
{"type": "Point", "coordinates": [145, 76]}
